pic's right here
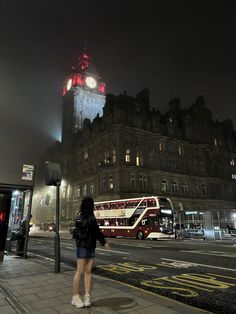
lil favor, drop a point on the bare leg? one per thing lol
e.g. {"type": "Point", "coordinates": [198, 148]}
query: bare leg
{"type": "Point", "coordinates": [77, 277]}
{"type": "Point", "coordinates": [87, 275]}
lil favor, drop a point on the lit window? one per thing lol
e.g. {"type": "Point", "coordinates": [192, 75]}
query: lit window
{"type": "Point", "coordinates": [63, 191]}
{"type": "Point", "coordinates": [91, 189]}
{"type": "Point", "coordinates": [86, 154]}
{"type": "Point", "coordinates": [215, 141]}
{"type": "Point", "coordinates": [111, 183]}
{"type": "Point", "coordinates": [161, 147]}
{"type": "Point", "coordinates": [85, 189]}
{"type": "Point", "coordinates": [232, 162]}
{"type": "Point", "coordinates": [106, 157]}
{"type": "Point", "coordinates": [180, 149]}
{"type": "Point", "coordinates": [139, 159]}
{"type": "Point", "coordinates": [127, 155]}
{"type": "Point", "coordinates": [77, 191]}
{"type": "Point", "coordinates": [114, 156]}
{"type": "Point", "coordinates": [164, 186]}
{"type": "Point", "coordinates": [234, 176]}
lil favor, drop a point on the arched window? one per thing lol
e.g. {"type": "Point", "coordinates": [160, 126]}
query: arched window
{"type": "Point", "coordinates": [204, 189]}
{"type": "Point", "coordinates": [114, 155]}
{"type": "Point", "coordinates": [91, 189]}
{"type": "Point", "coordinates": [111, 182]}
{"type": "Point", "coordinates": [174, 187]}
{"type": "Point", "coordinates": [85, 189]}
{"type": "Point", "coordinates": [184, 188]}
{"type": "Point", "coordinates": [164, 186]}
{"type": "Point", "coordinates": [132, 181]}
{"type": "Point", "coordinates": [127, 155]}
{"type": "Point", "coordinates": [196, 188]}
{"type": "Point", "coordinates": [139, 159]}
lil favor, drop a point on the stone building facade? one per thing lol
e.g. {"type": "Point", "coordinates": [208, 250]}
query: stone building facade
{"type": "Point", "coordinates": [132, 150]}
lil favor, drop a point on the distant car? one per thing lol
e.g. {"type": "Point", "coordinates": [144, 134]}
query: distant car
{"type": "Point", "coordinates": [224, 234]}
{"type": "Point", "coordinates": [48, 226]}
{"type": "Point", "coordinates": [52, 227]}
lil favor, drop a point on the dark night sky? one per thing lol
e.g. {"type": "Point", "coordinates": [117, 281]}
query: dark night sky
{"type": "Point", "coordinates": [176, 48]}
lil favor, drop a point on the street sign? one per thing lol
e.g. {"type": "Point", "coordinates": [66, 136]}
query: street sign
{"type": "Point", "coordinates": [27, 172]}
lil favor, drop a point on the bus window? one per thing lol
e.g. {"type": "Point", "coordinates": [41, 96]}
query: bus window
{"type": "Point", "coordinates": [143, 203]}
{"type": "Point", "coordinates": [135, 203]}
{"type": "Point", "coordinates": [151, 202]}
{"type": "Point", "coordinates": [164, 203]}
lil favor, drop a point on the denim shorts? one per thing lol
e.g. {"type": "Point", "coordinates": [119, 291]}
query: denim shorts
{"type": "Point", "coordinates": [85, 253]}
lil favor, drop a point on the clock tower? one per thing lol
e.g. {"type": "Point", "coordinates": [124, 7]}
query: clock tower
{"type": "Point", "coordinates": [83, 96]}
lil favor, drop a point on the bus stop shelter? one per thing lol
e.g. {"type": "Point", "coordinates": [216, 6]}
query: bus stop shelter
{"type": "Point", "coordinates": [15, 205]}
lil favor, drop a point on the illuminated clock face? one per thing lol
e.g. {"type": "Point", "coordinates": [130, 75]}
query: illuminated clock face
{"type": "Point", "coordinates": [90, 82]}
{"type": "Point", "coordinates": [69, 84]}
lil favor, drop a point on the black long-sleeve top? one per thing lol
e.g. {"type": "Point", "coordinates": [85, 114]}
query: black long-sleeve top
{"type": "Point", "coordinates": [93, 232]}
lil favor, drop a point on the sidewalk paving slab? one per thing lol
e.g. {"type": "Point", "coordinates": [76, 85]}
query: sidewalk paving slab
{"type": "Point", "coordinates": [31, 286]}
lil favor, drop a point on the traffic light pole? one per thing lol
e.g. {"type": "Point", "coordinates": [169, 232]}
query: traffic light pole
{"type": "Point", "coordinates": [57, 234]}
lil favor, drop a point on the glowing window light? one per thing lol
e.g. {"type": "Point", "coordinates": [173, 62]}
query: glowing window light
{"type": "Point", "coordinates": [102, 88]}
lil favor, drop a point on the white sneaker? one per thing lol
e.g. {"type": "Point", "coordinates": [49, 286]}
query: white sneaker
{"type": "Point", "coordinates": [87, 300]}
{"type": "Point", "coordinates": [76, 301]}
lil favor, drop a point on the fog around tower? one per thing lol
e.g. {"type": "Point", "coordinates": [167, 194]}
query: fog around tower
{"type": "Point", "coordinates": [174, 48]}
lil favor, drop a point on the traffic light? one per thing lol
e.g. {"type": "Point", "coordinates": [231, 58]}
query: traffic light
{"type": "Point", "coordinates": [52, 173]}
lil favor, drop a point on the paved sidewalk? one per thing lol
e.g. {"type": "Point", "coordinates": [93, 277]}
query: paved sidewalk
{"type": "Point", "coordinates": [31, 286]}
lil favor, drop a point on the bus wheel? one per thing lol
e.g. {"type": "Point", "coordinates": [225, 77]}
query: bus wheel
{"type": "Point", "coordinates": [140, 235]}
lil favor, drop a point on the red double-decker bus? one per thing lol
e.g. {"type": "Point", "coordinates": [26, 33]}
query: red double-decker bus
{"type": "Point", "coordinates": [148, 217]}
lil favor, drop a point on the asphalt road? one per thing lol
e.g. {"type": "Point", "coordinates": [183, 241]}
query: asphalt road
{"type": "Point", "coordinates": [194, 272]}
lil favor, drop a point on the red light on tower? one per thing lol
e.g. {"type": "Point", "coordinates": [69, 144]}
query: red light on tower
{"type": "Point", "coordinates": [84, 61]}
{"type": "Point", "coordinates": [102, 88]}
{"type": "Point", "coordinates": [80, 80]}
{"type": "Point", "coordinates": [74, 79]}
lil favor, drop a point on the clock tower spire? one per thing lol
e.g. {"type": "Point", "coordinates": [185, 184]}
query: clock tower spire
{"type": "Point", "coordinates": [83, 95]}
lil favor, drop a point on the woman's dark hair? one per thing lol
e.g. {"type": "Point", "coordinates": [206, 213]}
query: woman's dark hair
{"type": "Point", "coordinates": [87, 207]}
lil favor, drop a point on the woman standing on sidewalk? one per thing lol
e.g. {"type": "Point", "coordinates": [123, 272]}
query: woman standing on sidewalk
{"type": "Point", "coordinates": [87, 232]}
